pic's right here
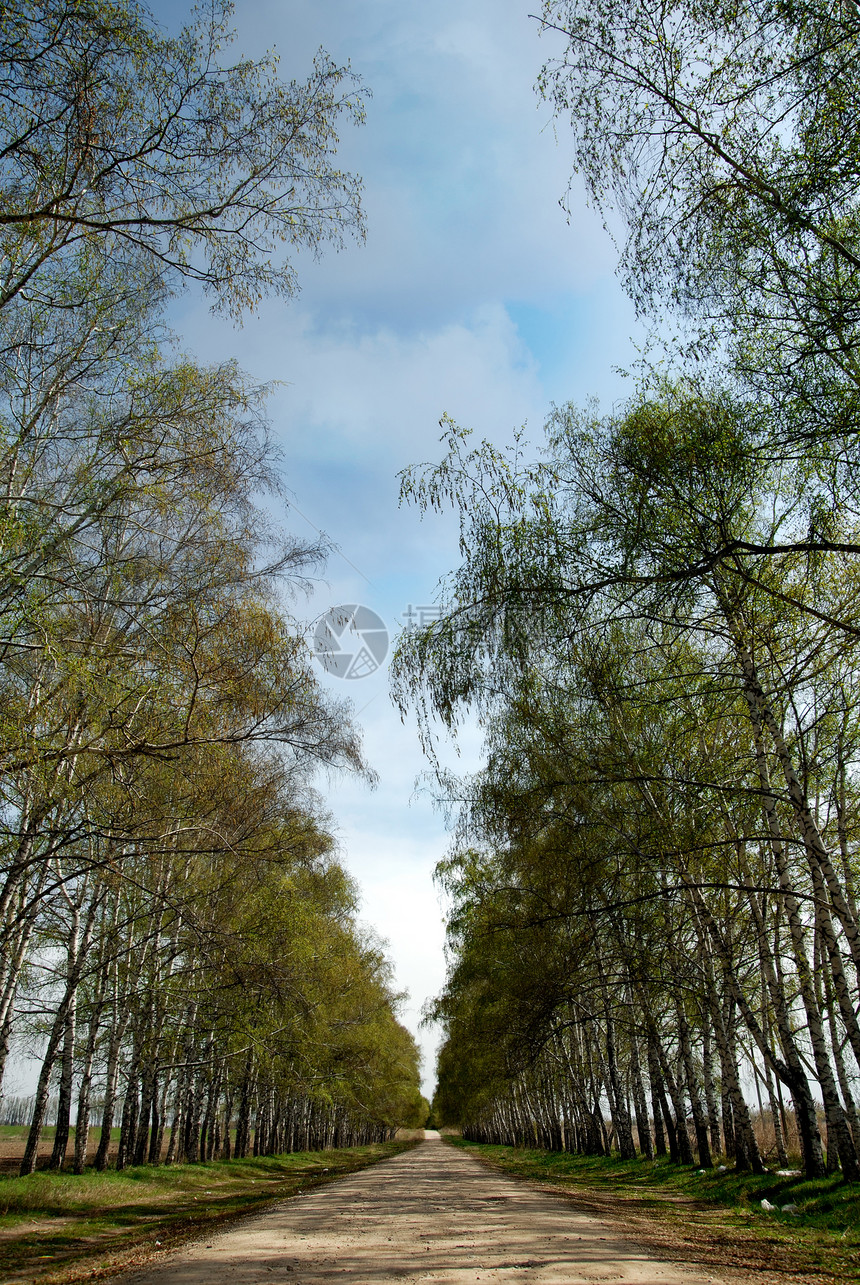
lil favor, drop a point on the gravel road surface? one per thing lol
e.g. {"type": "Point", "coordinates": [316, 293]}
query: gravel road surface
{"type": "Point", "coordinates": [432, 1215]}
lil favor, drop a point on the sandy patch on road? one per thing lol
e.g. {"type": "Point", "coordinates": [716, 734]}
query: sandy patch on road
{"type": "Point", "coordinates": [430, 1215]}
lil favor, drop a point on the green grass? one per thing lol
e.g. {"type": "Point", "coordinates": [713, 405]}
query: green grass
{"type": "Point", "coordinates": [18, 1132]}
{"type": "Point", "coordinates": [61, 1227]}
{"type": "Point", "coordinates": [13, 1131]}
{"type": "Point", "coordinates": [717, 1216]}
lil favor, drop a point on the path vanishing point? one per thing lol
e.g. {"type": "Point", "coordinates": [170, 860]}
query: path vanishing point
{"type": "Point", "coordinates": [431, 1214]}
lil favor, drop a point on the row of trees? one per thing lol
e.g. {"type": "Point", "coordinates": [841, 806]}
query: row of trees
{"type": "Point", "coordinates": [207, 972]}
{"type": "Point", "coordinates": [654, 909]}
{"type": "Point", "coordinates": [175, 933]}
{"type": "Point", "coordinates": [654, 883]}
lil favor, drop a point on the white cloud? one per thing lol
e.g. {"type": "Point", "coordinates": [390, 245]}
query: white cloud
{"type": "Point", "coordinates": [357, 406]}
{"type": "Point", "coordinates": [381, 393]}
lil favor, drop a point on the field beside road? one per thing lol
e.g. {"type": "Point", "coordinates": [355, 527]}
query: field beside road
{"type": "Point", "coordinates": [711, 1217]}
{"type": "Point", "coordinates": [13, 1140]}
{"type": "Point", "coordinates": [59, 1227]}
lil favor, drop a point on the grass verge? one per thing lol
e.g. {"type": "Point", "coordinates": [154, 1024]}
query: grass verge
{"type": "Point", "coordinates": [707, 1217]}
{"type": "Point", "coordinates": [56, 1228]}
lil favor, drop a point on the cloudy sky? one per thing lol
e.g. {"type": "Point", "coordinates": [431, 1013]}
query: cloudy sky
{"type": "Point", "coordinates": [473, 295]}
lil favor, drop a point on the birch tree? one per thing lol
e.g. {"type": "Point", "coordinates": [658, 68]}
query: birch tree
{"type": "Point", "coordinates": [703, 740]}
{"type": "Point", "coordinates": [146, 149]}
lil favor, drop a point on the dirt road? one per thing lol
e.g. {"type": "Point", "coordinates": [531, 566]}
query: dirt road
{"type": "Point", "coordinates": [431, 1215]}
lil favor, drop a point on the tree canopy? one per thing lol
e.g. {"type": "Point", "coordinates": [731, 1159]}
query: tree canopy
{"type": "Point", "coordinates": [725, 137]}
{"type": "Point", "coordinates": [122, 142]}
{"type": "Point", "coordinates": [653, 877]}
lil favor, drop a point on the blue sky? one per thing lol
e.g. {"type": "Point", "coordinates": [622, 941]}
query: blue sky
{"type": "Point", "coordinates": [473, 295]}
